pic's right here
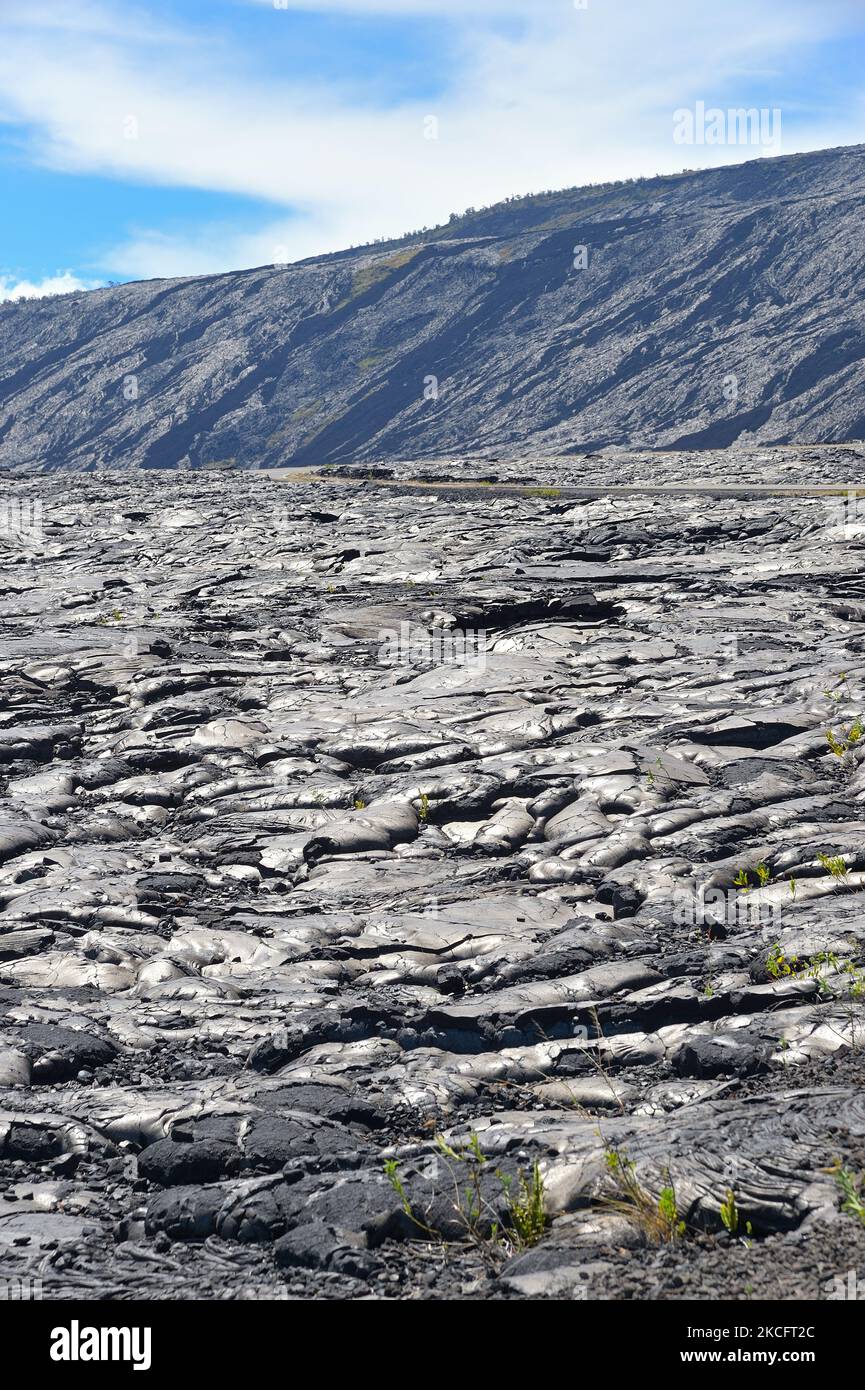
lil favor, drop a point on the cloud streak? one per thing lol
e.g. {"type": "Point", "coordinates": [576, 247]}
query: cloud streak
{"type": "Point", "coordinates": [65, 283]}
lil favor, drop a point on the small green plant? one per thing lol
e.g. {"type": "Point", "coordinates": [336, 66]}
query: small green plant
{"type": "Point", "coordinates": [856, 988]}
{"type": "Point", "coordinates": [730, 1212]}
{"type": "Point", "coordinates": [525, 1207]}
{"type": "Point", "coordinates": [423, 812]}
{"type": "Point", "coordinates": [782, 967]}
{"type": "Point", "coordinates": [841, 691]}
{"type": "Point", "coordinates": [850, 995]}
{"type": "Point", "coordinates": [709, 990]}
{"type": "Point", "coordinates": [668, 1213]}
{"type": "Point", "coordinates": [359, 804]}
{"type": "Point", "coordinates": [836, 865]}
{"type": "Point", "coordinates": [469, 1201]}
{"type": "Point", "coordinates": [778, 965]}
{"type": "Point", "coordinates": [843, 744]}
{"type": "Point", "coordinates": [391, 1168]}
{"type": "Point", "coordinates": [658, 1220]}
{"type": "Point", "coordinates": [742, 881]}
{"type": "Point", "coordinates": [852, 1191]}
{"type": "Point", "coordinates": [827, 959]}
{"type": "Point", "coordinates": [732, 1220]}
{"type": "Point", "coordinates": [658, 773]}
{"type": "Point", "coordinates": [524, 1220]}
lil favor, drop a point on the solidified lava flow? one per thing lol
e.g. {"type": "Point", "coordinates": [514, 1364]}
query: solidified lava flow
{"type": "Point", "coordinates": [425, 891]}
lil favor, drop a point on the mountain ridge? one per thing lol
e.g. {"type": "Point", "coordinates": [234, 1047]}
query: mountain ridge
{"type": "Point", "coordinates": [709, 308]}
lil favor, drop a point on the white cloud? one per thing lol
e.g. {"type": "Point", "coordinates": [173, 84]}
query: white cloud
{"type": "Point", "coordinates": [485, 9]}
{"type": "Point", "coordinates": [128, 22]}
{"type": "Point", "coordinates": [564, 97]}
{"type": "Point", "coordinates": [66, 283]}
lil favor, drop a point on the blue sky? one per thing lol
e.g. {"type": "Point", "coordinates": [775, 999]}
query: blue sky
{"type": "Point", "coordinates": [142, 138]}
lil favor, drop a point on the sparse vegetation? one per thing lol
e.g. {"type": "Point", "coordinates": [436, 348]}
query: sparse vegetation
{"type": "Point", "coordinates": [852, 1191]}
{"type": "Point", "coordinates": [525, 1206]}
{"type": "Point", "coordinates": [856, 987]}
{"type": "Point", "coordinates": [841, 691]}
{"type": "Point", "coordinates": [391, 1169]}
{"type": "Point", "coordinates": [841, 745]}
{"type": "Point", "coordinates": [499, 1228]}
{"type": "Point", "coordinates": [731, 1216]}
{"type": "Point", "coordinates": [371, 361]}
{"type": "Point", "coordinates": [303, 412]}
{"type": "Point", "coordinates": [662, 776]}
{"type": "Point", "coordinates": [730, 1212]}
{"type": "Point", "coordinates": [781, 966]}
{"type": "Point", "coordinates": [377, 274]}
{"type": "Point", "coordinates": [836, 865]}
{"type": "Point", "coordinates": [659, 1221]}
{"type": "Point", "coordinates": [778, 965]}
{"type": "Point", "coordinates": [743, 880]}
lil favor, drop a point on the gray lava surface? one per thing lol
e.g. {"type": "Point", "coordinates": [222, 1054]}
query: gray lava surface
{"type": "Point", "coordinates": [369, 852]}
